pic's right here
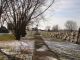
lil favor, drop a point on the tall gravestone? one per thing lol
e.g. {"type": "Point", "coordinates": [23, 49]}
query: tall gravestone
{"type": "Point", "coordinates": [78, 37]}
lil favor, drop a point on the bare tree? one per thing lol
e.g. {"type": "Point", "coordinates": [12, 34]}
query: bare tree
{"type": "Point", "coordinates": [71, 25]}
{"type": "Point", "coordinates": [1, 11]}
{"type": "Point", "coordinates": [20, 12]}
{"type": "Point", "coordinates": [9, 26]}
{"type": "Point", "coordinates": [47, 28]}
{"type": "Point", "coordinates": [55, 28]}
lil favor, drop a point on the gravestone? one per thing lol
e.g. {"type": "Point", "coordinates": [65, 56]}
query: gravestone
{"type": "Point", "coordinates": [78, 37]}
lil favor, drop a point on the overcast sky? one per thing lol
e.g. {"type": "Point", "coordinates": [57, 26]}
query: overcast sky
{"type": "Point", "coordinates": [62, 11]}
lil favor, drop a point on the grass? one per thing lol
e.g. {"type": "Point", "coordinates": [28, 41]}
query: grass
{"type": "Point", "coordinates": [6, 37]}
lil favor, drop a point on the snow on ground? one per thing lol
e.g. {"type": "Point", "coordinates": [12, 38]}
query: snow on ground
{"type": "Point", "coordinates": [65, 48]}
{"type": "Point", "coordinates": [18, 45]}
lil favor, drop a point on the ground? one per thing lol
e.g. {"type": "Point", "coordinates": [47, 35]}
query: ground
{"type": "Point", "coordinates": [5, 37]}
{"type": "Point", "coordinates": [65, 50]}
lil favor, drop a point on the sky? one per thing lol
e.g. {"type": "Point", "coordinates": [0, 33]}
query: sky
{"type": "Point", "coordinates": [60, 12]}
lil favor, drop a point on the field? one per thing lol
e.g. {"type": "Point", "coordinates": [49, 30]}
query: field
{"type": "Point", "coordinates": [6, 37]}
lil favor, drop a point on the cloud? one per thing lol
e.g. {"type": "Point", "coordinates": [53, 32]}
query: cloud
{"type": "Point", "coordinates": [60, 5]}
{"type": "Point", "coordinates": [62, 11]}
{"type": "Point", "coordinates": [63, 4]}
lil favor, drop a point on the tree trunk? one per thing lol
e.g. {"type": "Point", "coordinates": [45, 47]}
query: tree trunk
{"type": "Point", "coordinates": [17, 37]}
{"type": "Point", "coordinates": [17, 34]}
{"type": "Point", "coordinates": [23, 33]}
